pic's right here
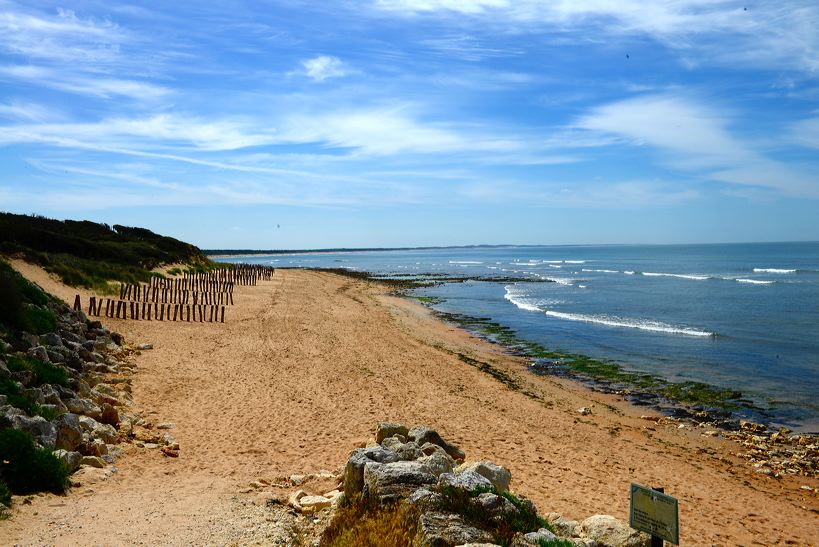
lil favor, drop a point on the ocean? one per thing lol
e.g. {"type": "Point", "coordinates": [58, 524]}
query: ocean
{"type": "Point", "coordinates": [737, 316]}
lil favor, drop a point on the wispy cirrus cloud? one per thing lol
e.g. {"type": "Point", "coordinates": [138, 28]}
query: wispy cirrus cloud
{"type": "Point", "coordinates": [58, 36]}
{"type": "Point", "coordinates": [692, 136]}
{"type": "Point", "coordinates": [723, 31]}
{"type": "Point", "coordinates": [83, 83]}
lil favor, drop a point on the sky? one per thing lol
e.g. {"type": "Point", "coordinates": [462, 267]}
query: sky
{"type": "Point", "coordinates": [364, 123]}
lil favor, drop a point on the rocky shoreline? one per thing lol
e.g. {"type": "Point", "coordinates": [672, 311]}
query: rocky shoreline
{"type": "Point", "coordinates": [86, 420]}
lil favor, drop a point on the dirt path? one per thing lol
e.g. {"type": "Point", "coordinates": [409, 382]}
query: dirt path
{"type": "Point", "coordinates": [304, 367]}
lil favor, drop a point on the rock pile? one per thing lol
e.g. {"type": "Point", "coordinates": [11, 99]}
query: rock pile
{"type": "Point", "coordinates": [84, 418]}
{"type": "Point", "coordinates": [454, 502]}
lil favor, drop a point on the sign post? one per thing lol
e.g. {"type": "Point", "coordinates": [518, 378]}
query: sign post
{"type": "Point", "coordinates": [655, 513]}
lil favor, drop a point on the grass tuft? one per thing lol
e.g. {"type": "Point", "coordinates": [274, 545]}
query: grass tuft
{"type": "Point", "coordinates": [362, 523]}
{"type": "Point", "coordinates": [27, 469]}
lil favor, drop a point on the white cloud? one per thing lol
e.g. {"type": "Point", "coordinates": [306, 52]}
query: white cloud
{"type": "Point", "coordinates": [701, 31]}
{"type": "Point", "coordinates": [324, 67]}
{"type": "Point", "coordinates": [806, 133]}
{"type": "Point", "coordinates": [28, 112]}
{"type": "Point", "coordinates": [84, 84]}
{"type": "Point", "coordinates": [696, 138]}
{"type": "Point", "coordinates": [60, 36]}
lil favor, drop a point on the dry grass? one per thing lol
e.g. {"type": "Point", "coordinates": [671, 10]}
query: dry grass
{"type": "Point", "coordinates": [357, 523]}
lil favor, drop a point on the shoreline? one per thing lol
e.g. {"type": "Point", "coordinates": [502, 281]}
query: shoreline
{"type": "Point", "coordinates": [305, 366]}
{"type": "Point", "coordinates": [687, 400]}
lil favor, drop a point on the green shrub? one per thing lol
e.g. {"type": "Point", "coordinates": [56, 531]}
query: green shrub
{"type": "Point", "coordinates": [44, 373]}
{"type": "Point", "coordinates": [9, 388]}
{"type": "Point", "coordinates": [26, 469]}
{"type": "Point", "coordinates": [39, 320]}
{"type": "Point", "coordinates": [5, 494]}
{"type": "Point", "coordinates": [554, 543]}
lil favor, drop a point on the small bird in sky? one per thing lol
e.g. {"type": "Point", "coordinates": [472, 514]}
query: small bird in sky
{"type": "Point", "coordinates": [627, 57]}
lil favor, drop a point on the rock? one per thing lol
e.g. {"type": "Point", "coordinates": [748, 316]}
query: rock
{"type": "Point", "coordinates": [51, 339]}
{"type": "Point", "coordinates": [607, 531]}
{"type": "Point", "coordinates": [109, 414]}
{"type": "Point", "coordinates": [143, 347]}
{"type": "Point", "coordinates": [494, 504]}
{"type": "Point", "coordinates": [72, 460]}
{"type": "Point", "coordinates": [389, 429]}
{"type": "Point", "coordinates": [39, 428]}
{"type": "Point", "coordinates": [534, 538]}
{"type": "Point", "coordinates": [391, 443]}
{"type": "Point", "coordinates": [29, 340]}
{"type": "Point", "coordinates": [69, 431]}
{"type": "Point", "coordinates": [423, 435]}
{"type": "Point", "coordinates": [102, 431]}
{"type": "Point", "coordinates": [499, 476]}
{"type": "Point", "coordinates": [584, 411]}
{"type": "Point", "coordinates": [171, 451]}
{"type": "Point", "coordinates": [354, 470]}
{"type": "Point", "coordinates": [422, 495]}
{"type": "Point", "coordinates": [314, 504]}
{"type": "Point", "coordinates": [38, 352]}
{"type": "Point", "coordinates": [93, 461]}
{"type": "Point", "coordinates": [565, 527]}
{"type": "Point", "coordinates": [83, 407]}
{"type": "Point", "coordinates": [751, 426]}
{"type": "Point", "coordinates": [166, 425]}
{"type": "Point", "coordinates": [446, 530]}
{"type": "Point", "coordinates": [293, 499]}
{"type": "Point", "coordinates": [408, 451]}
{"type": "Point", "coordinates": [117, 338]}
{"type": "Point", "coordinates": [390, 481]}
{"type": "Point", "coordinates": [438, 463]}
{"type": "Point", "coordinates": [467, 480]}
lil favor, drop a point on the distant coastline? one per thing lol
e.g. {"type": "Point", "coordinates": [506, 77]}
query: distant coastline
{"type": "Point", "coordinates": [216, 253]}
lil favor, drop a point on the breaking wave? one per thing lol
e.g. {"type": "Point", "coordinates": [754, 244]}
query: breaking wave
{"type": "Point", "coordinates": [641, 324]}
{"type": "Point", "coordinates": [773, 271]}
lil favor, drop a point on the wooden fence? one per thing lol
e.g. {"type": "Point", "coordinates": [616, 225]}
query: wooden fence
{"type": "Point", "coordinates": [191, 297]}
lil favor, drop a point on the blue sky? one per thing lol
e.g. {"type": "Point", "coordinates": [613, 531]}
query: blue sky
{"type": "Point", "coordinates": [288, 124]}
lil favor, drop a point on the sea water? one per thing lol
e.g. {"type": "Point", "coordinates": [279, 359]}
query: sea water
{"type": "Point", "coordinates": [740, 316]}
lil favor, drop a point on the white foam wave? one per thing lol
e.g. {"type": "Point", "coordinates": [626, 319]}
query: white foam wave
{"type": "Point", "coordinates": [574, 261]}
{"type": "Point", "coordinates": [755, 281]}
{"type": "Point", "coordinates": [653, 326]}
{"type": "Point", "coordinates": [558, 266]}
{"type": "Point", "coordinates": [681, 276]}
{"type": "Point", "coordinates": [628, 272]}
{"type": "Point", "coordinates": [561, 281]}
{"type": "Point", "coordinates": [519, 302]}
{"type": "Point", "coordinates": [601, 271]}
{"type": "Point", "coordinates": [773, 270]}
{"type": "Point", "coordinates": [464, 262]}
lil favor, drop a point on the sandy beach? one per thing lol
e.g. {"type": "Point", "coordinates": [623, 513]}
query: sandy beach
{"type": "Point", "coordinates": [305, 366]}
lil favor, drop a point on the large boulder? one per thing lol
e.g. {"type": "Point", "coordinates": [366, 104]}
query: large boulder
{"type": "Point", "coordinates": [69, 431]}
{"type": "Point", "coordinates": [84, 407]}
{"type": "Point", "coordinates": [39, 428]}
{"type": "Point", "coordinates": [51, 339]}
{"type": "Point", "coordinates": [389, 429]}
{"type": "Point", "coordinates": [354, 470]}
{"type": "Point", "coordinates": [499, 476]}
{"type": "Point", "coordinates": [438, 463]}
{"type": "Point", "coordinates": [447, 530]}
{"type": "Point", "coordinates": [469, 481]}
{"type": "Point", "coordinates": [607, 531]}
{"type": "Point", "coordinates": [104, 432]}
{"type": "Point", "coordinates": [38, 352]}
{"type": "Point", "coordinates": [423, 435]}
{"type": "Point", "coordinates": [391, 481]}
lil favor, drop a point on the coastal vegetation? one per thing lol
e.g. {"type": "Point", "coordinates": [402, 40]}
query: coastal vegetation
{"type": "Point", "coordinates": [27, 468]}
{"type": "Point", "coordinates": [89, 254]}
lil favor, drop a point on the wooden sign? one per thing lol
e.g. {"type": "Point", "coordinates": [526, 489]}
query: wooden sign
{"type": "Point", "coordinates": [654, 513]}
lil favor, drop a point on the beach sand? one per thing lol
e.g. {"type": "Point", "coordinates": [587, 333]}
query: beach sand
{"type": "Point", "coordinates": [305, 366]}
